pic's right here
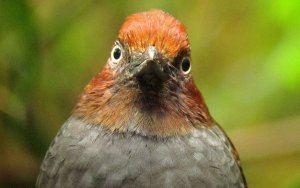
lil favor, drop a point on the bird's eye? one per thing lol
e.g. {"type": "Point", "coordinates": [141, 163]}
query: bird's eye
{"type": "Point", "coordinates": [185, 65]}
{"type": "Point", "coordinates": [116, 54]}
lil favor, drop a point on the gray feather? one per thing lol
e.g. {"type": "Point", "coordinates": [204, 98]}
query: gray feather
{"type": "Point", "coordinates": [88, 156]}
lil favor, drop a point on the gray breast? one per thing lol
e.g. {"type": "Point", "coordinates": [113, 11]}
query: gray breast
{"type": "Point", "coordinates": [87, 156]}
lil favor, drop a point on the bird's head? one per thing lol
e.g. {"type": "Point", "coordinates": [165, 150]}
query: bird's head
{"type": "Point", "coordinates": [146, 86]}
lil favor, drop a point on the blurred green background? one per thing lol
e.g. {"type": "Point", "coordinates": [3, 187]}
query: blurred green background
{"type": "Point", "coordinates": [246, 62]}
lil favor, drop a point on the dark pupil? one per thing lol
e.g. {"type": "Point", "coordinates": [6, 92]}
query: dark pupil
{"type": "Point", "coordinates": [117, 53]}
{"type": "Point", "coordinates": [185, 65]}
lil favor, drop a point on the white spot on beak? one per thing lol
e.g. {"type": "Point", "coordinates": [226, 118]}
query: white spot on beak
{"type": "Point", "coordinates": [151, 52]}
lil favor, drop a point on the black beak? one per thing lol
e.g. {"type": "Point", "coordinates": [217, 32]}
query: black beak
{"type": "Point", "coordinates": [149, 63]}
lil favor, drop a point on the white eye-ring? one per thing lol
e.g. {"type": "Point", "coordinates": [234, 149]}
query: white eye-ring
{"type": "Point", "coordinates": [116, 54]}
{"type": "Point", "coordinates": [185, 65]}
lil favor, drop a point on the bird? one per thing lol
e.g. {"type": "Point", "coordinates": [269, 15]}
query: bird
{"type": "Point", "coordinates": [141, 121]}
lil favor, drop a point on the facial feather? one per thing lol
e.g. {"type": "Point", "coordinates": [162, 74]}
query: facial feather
{"type": "Point", "coordinates": [158, 108]}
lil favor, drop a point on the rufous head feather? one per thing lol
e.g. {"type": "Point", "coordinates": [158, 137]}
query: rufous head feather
{"type": "Point", "coordinates": [146, 86]}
